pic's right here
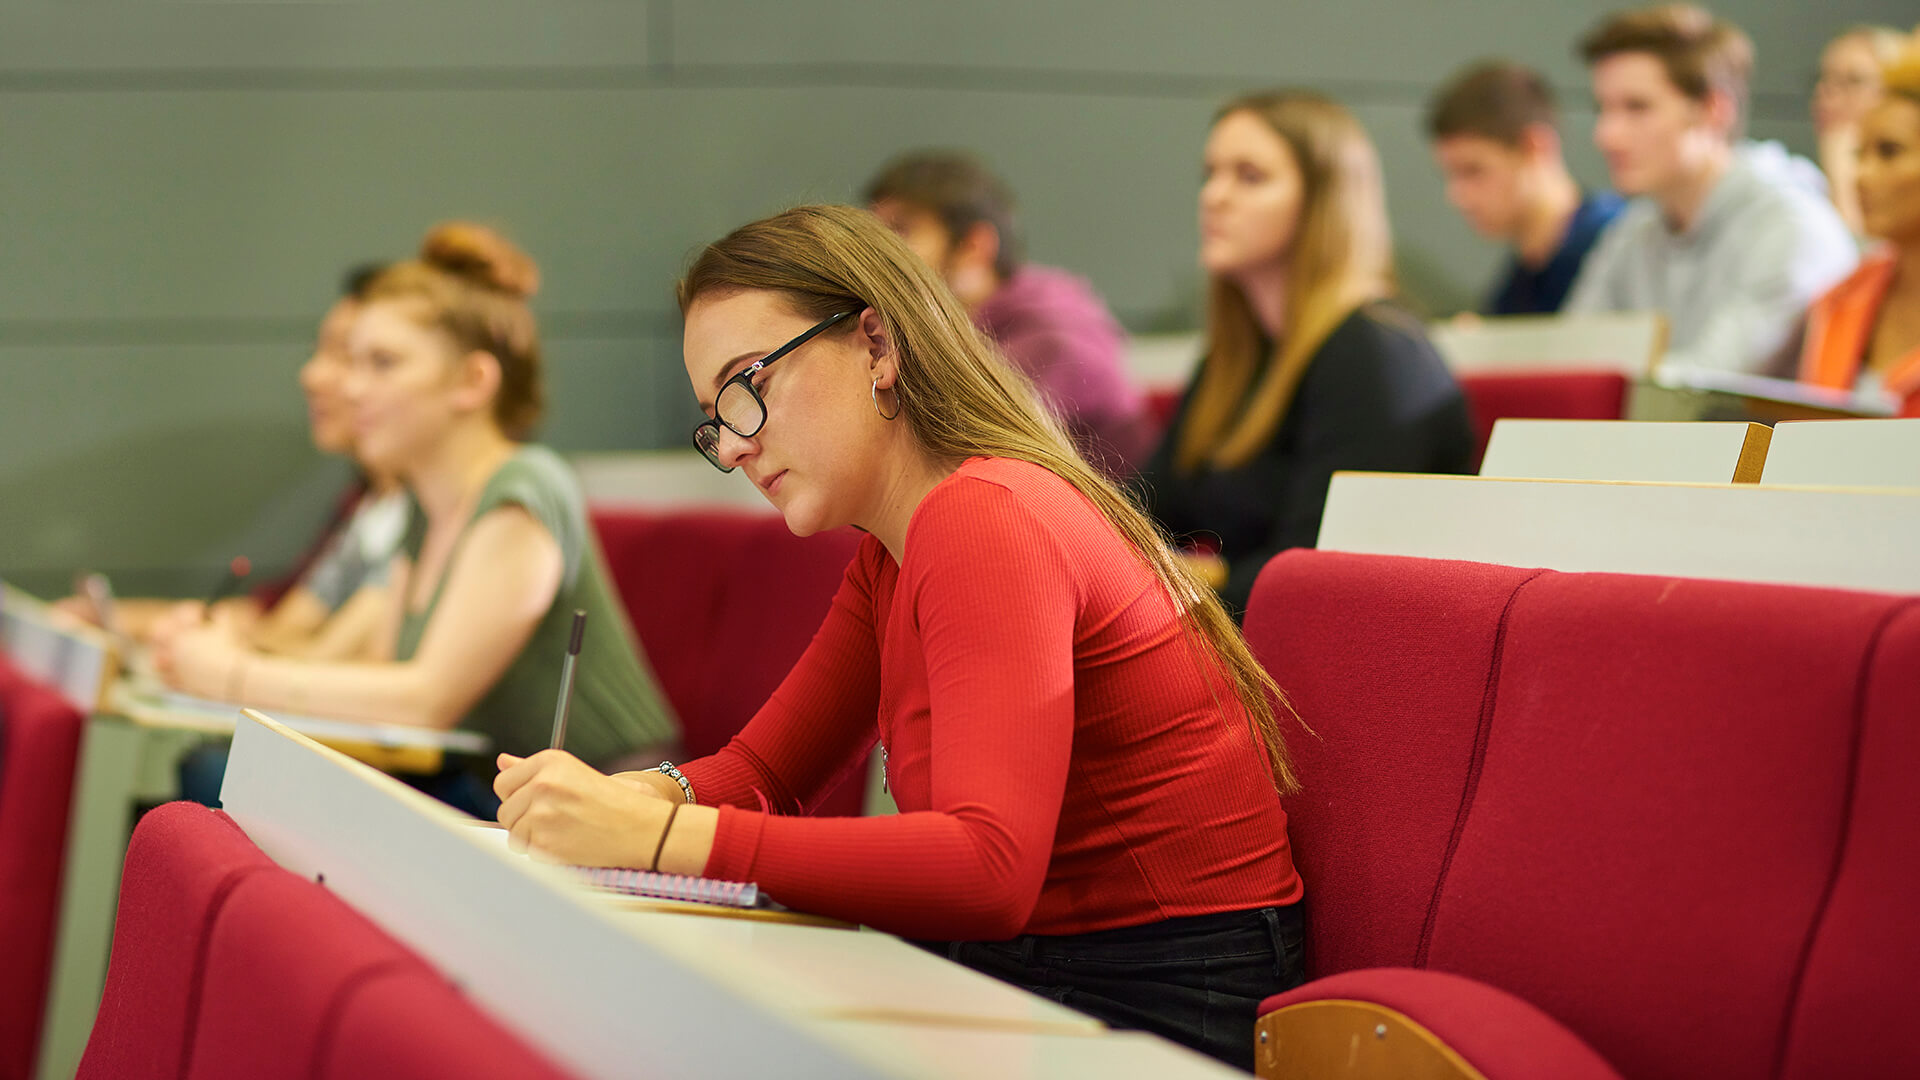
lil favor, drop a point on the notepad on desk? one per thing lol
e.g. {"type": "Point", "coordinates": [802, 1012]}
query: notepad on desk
{"type": "Point", "coordinates": [650, 890]}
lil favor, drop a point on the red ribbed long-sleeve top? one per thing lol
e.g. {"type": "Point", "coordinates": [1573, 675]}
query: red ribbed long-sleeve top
{"type": "Point", "coordinates": [1062, 760]}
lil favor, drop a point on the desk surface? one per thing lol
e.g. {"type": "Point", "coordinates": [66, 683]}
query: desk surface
{"type": "Point", "coordinates": [594, 987]}
{"type": "Point", "coordinates": [154, 706]}
{"type": "Point", "coordinates": [1828, 537]}
{"type": "Point", "coordinates": [76, 659]}
{"type": "Point", "coordinates": [1849, 453]}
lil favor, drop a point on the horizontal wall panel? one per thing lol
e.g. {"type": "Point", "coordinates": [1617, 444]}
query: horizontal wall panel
{"type": "Point", "coordinates": [152, 208]}
{"type": "Point", "coordinates": [1370, 45]}
{"type": "Point", "coordinates": [81, 43]}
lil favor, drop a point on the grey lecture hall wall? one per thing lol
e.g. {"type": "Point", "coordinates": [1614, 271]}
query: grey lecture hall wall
{"type": "Point", "coordinates": [180, 185]}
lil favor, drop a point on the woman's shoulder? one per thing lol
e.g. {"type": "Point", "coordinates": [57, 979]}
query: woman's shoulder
{"type": "Point", "coordinates": [533, 471]}
{"type": "Point", "coordinates": [991, 494]}
{"type": "Point", "coordinates": [1382, 328]}
{"type": "Point", "coordinates": [1381, 352]}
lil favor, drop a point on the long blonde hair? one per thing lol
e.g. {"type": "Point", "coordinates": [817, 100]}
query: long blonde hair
{"type": "Point", "coordinates": [960, 399]}
{"type": "Point", "coordinates": [1341, 258]}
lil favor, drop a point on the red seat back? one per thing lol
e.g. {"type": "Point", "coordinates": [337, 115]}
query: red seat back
{"type": "Point", "coordinates": [1620, 798]}
{"type": "Point", "coordinates": [1659, 811]}
{"type": "Point", "coordinates": [284, 958]}
{"type": "Point", "coordinates": [1541, 395]}
{"type": "Point", "coordinates": [1387, 660]}
{"type": "Point", "coordinates": [413, 1023]}
{"type": "Point", "coordinates": [182, 865]}
{"type": "Point", "coordinates": [1853, 1012]}
{"type": "Point", "coordinates": [724, 603]}
{"type": "Point", "coordinates": [39, 746]}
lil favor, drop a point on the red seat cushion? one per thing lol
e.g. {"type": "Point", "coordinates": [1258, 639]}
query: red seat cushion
{"type": "Point", "coordinates": [1542, 395]}
{"type": "Point", "coordinates": [284, 959]}
{"type": "Point", "coordinates": [39, 746]}
{"type": "Point", "coordinates": [1650, 837]}
{"type": "Point", "coordinates": [1497, 1033]}
{"type": "Point", "coordinates": [1855, 1002]}
{"type": "Point", "coordinates": [182, 865]}
{"type": "Point", "coordinates": [413, 1025]}
{"type": "Point", "coordinates": [1388, 661]}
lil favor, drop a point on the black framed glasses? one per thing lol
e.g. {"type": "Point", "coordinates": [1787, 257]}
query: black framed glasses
{"type": "Point", "coordinates": [738, 406]}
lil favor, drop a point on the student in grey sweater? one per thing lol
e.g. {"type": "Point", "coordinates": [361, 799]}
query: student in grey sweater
{"type": "Point", "coordinates": [1730, 240]}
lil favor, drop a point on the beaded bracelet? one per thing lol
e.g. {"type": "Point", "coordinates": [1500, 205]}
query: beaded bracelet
{"type": "Point", "coordinates": [666, 769]}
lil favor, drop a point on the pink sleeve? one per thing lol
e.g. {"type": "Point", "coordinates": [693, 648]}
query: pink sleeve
{"type": "Point", "coordinates": [819, 723]}
{"type": "Point", "coordinates": [995, 605]}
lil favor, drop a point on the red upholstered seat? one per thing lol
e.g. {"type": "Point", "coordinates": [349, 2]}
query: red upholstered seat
{"type": "Point", "coordinates": [724, 603]}
{"type": "Point", "coordinates": [1853, 1013]}
{"type": "Point", "coordinates": [39, 746]}
{"type": "Point", "coordinates": [1163, 403]}
{"type": "Point", "coordinates": [284, 958]}
{"type": "Point", "coordinates": [1639, 788]}
{"type": "Point", "coordinates": [669, 569]}
{"type": "Point", "coordinates": [1542, 395]}
{"type": "Point", "coordinates": [413, 1023]}
{"type": "Point", "coordinates": [1388, 661]}
{"type": "Point", "coordinates": [1659, 811]}
{"type": "Point", "coordinates": [182, 865]}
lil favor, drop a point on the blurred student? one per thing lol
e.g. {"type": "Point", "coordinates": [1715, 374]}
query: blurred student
{"type": "Point", "coordinates": [1731, 244]}
{"type": "Point", "coordinates": [1084, 750]}
{"type": "Point", "coordinates": [1849, 85]}
{"type": "Point", "coordinates": [1865, 334]}
{"type": "Point", "coordinates": [1494, 131]}
{"type": "Point", "coordinates": [958, 216]}
{"type": "Point", "coordinates": [444, 387]}
{"type": "Point", "coordinates": [327, 607]}
{"type": "Point", "coordinates": [1309, 369]}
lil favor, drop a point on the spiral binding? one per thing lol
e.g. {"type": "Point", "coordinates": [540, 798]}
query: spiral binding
{"type": "Point", "coordinates": [659, 886]}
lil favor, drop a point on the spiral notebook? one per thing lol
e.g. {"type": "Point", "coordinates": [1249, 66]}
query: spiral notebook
{"type": "Point", "coordinates": [686, 888]}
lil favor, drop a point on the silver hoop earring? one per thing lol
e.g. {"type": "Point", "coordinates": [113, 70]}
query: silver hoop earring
{"type": "Point", "coordinates": [876, 402]}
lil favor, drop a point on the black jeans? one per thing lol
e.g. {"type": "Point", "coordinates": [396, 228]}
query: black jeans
{"type": "Point", "coordinates": [1196, 980]}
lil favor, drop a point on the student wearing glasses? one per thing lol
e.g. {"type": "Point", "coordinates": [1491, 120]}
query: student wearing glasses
{"type": "Point", "coordinates": [444, 386]}
{"type": "Point", "coordinates": [1085, 754]}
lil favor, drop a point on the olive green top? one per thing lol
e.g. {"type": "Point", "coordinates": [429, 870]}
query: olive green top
{"type": "Point", "coordinates": [617, 705]}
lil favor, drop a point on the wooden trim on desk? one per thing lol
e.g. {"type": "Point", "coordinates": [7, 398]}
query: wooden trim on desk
{"type": "Point", "coordinates": [1753, 454]}
{"type": "Point", "coordinates": [1355, 1040]}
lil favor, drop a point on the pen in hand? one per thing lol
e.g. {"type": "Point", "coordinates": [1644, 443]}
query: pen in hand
{"type": "Point", "coordinates": [560, 708]}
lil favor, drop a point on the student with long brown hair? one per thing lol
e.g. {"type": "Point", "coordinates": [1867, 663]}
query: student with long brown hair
{"type": "Point", "coordinates": [1308, 370]}
{"type": "Point", "coordinates": [1085, 754]}
{"type": "Point", "coordinates": [444, 384]}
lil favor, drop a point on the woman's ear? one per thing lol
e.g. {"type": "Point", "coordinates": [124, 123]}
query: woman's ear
{"type": "Point", "coordinates": [478, 381]}
{"type": "Point", "coordinates": [883, 363]}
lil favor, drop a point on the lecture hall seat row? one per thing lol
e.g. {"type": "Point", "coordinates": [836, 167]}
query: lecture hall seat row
{"type": "Point", "coordinates": [1595, 825]}
{"type": "Point", "coordinates": [39, 748]}
{"type": "Point", "coordinates": [225, 965]}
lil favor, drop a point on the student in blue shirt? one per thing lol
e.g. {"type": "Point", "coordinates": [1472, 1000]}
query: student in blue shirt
{"type": "Point", "coordinates": [1494, 135]}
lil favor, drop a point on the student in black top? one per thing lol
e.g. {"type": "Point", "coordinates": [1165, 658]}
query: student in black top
{"type": "Point", "coordinates": [1494, 137]}
{"type": "Point", "coordinates": [1308, 370]}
